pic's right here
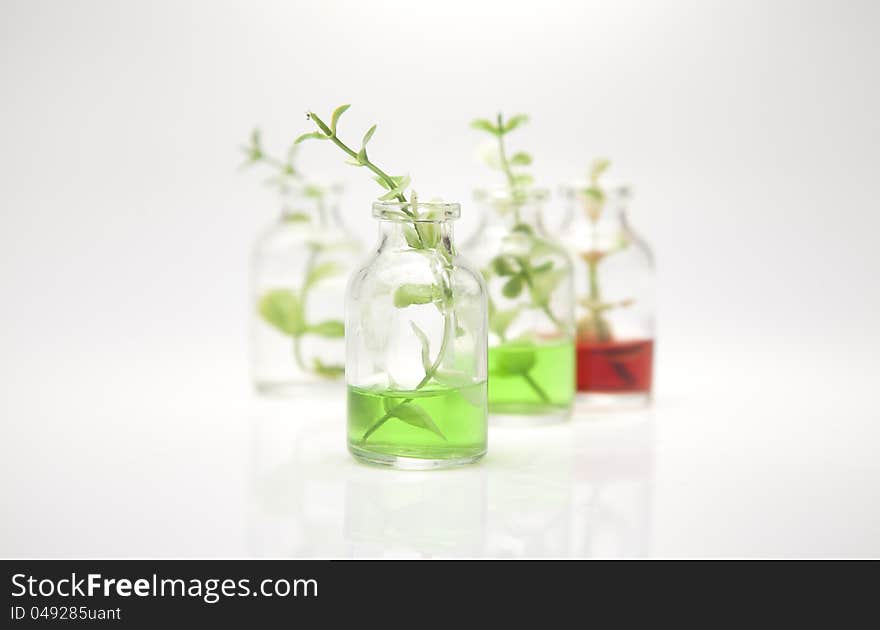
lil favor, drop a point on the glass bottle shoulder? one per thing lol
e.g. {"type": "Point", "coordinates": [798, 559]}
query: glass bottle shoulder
{"type": "Point", "coordinates": [285, 235]}
{"type": "Point", "coordinates": [584, 239]}
{"type": "Point", "coordinates": [492, 241]}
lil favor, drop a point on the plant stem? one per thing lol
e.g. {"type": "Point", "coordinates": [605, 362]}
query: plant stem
{"type": "Point", "coordinates": [538, 389]}
{"type": "Point", "coordinates": [531, 381]}
{"type": "Point", "coordinates": [502, 154]}
{"type": "Point", "coordinates": [389, 181]}
{"type": "Point", "coordinates": [303, 295]}
{"type": "Point", "coordinates": [447, 324]}
{"type": "Point", "coordinates": [378, 171]}
{"type": "Point", "coordinates": [297, 354]}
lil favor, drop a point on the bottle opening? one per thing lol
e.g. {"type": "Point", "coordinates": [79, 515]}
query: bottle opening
{"type": "Point", "coordinates": [420, 212]}
{"type": "Point", "coordinates": [507, 196]}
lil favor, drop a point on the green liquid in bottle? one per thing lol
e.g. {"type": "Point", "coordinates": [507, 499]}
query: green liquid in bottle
{"type": "Point", "coordinates": [433, 424]}
{"type": "Point", "coordinates": [531, 379]}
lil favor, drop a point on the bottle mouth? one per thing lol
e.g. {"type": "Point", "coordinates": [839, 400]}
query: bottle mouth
{"type": "Point", "coordinates": [506, 195]}
{"type": "Point", "coordinates": [577, 190]}
{"type": "Point", "coordinates": [420, 212]}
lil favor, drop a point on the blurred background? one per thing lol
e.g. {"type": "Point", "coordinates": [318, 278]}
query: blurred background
{"type": "Point", "coordinates": [748, 130]}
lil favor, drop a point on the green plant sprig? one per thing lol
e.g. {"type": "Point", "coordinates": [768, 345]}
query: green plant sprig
{"type": "Point", "coordinates": [287, 174]}
{"type": "Point", "coordinates": [595, 325]}
{"type": "Point", "coordinates": [420, 237]}
{"type": "Point", "coordinates": [394, 185]}
{"type": "Point", "coordinates": [255, 153]}
{"type": "Point", "coordinates": [284, 309]}
{"type": "Point", "coordinates": [519, 273]}
{"type": "Point", "coordinates": [516, 181]}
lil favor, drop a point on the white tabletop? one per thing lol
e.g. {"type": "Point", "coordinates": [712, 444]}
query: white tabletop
{"type": "Point", "coordinates": [164, 458]}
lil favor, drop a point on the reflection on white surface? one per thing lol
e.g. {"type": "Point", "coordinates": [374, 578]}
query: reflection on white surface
{"type": "Point", "coordinates": [580, 490]}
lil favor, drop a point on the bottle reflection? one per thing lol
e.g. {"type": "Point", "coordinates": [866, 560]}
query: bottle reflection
{"type": "Point", "coordinates": [393, 514]}
{"type": "Point", "coordinates": [579, 490]}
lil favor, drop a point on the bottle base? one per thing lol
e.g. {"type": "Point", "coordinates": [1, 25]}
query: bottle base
{"type": "Point", "coordinates": [386, 460]}
{"type": "Point", "coordinates": [514, 415]}
{"type": "Point", "coordinates": [604, 401]}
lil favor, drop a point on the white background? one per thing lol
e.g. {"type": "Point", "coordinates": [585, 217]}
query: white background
{"type": "Point", "coordinates": [749, 131]}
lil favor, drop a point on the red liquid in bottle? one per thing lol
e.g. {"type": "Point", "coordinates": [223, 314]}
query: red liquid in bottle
{"type": "Point", "coordinates": [614, 366]}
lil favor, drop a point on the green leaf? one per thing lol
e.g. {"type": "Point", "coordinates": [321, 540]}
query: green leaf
{"type": "Point", "coordinates": [381, 181]}
{"type": "Point", "coordinates": [503, 265]}
{"type": "Point", "coordinates": [515, 121]}
{"type": "Point", "coordinates": [599, 166]}
{"type": "Point", "coordinates": [327, 370]}
{"type": "Point", "coordinates": [313, 191]}
{"type": "Point", "coordinates": [545, 283]}
{"type": "Point", "coordinates": [314, 135]}
{"type": "Point", "coordinates": [362, 156]}
{"type": "Point", "coordinates": [415, 416]}
{"type": "Point", "coordinates": [426, 347]}
{"type": "Point", "coordinates": [521, 159]}
{"type": "Point", "coordinates": [516, 357]}
{"type": "Point", "coordinates": [407, 294]}
{"type": "Point", "coordinates": [391, 194]}
{"type": "Point", "coordinates": [368, 135]}
{"type": "Point", "coordinates": [282, 309]}
{"type": "Point", "coordinates": [297, 217]}
{"type": "Point", "coordinates": [331, 328]}
{"type": "Point", "coordinates": [412, 237]}
{"type": "Point", "coordinates": [334, 117]}
{"type": "Point", "coordinates": [594, 192]}
{"type": "Point", "coordinates": [430, 234]}
{"type": "Point", "coordinates": [500, 320]}
{"type": "Point", "coordinates": [544, 266]}
{"type": "Point", "coordinates": [512, 287]}
{"type": "Point", "coordinates": [320, 123]}
{"type": "Point", "coordinates": [523, 179]}
{"type": "Point", "coordinates": [484, 125]}
{"type": "Point", "coordinates": [324, 270]}
{"type": "Point", "coordinates": [523, 228]}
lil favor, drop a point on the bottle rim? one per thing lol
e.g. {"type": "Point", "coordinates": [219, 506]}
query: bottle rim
{"type": "Point", "coordinates": [424, 211]}
{"type": "Point", "coordinates": [507, 195]}
{"type": "Point", "coordinates": [573, 190]}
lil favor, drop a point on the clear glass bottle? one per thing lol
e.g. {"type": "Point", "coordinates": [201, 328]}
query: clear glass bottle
{"type": "Point", "coordinates": [299, 267]}
{"type": "Point", "coordinates": [416, 345]}
{"type": "Point", "coordinates": [531, 314]}
{"type": "Point", "coordinates": [614, 287]}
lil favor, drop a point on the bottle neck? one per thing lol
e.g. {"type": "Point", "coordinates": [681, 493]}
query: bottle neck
{"type": "Point", "coordinates": [508, 214]}
{"type": "Point", "coordinates": [419, 235]}
{"type": "Point", "coordinates": [606, 216]}
{"type": "Point", "coordinates": [320, 212]}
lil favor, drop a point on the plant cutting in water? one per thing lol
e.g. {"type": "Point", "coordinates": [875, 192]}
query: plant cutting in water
{"type": "Point", "coordinates": [414, 406]}
{"type": "Point", "coordinates": [525, 265]}
{"type": "Point", "coordinates": [594, 326]}
{"type": "Point", "coordinates": [283, 308]}
{"type": "Point", "coordinates": [604, 363]}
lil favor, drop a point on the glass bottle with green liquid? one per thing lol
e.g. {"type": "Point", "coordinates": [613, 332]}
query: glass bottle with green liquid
{"type": "Point", "coordinates": [530, 294]}
{"type": "Point", "coordinates": [416, 341]}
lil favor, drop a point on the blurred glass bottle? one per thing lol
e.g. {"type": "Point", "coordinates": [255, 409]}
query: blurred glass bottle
{"type": "Point", "coordinates": [529, 280]}
{"type": "Point", "coordinates": [299, 270]}
{"type": "Point", "coordinates": [614, 288]}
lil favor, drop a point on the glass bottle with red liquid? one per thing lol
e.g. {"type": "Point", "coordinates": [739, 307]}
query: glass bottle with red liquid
{"type": "Point", "coordinates": [614, 289]}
